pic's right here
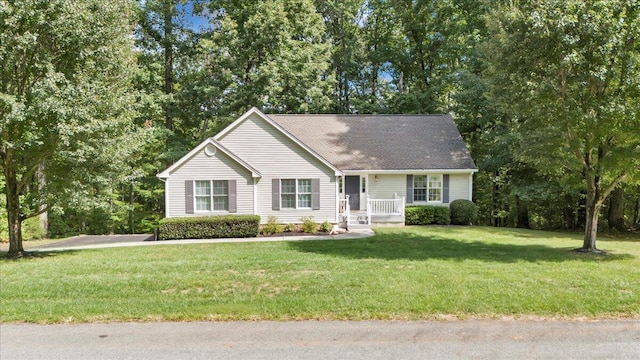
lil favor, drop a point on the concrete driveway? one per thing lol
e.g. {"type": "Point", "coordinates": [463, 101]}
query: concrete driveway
{"type": "Point", "coordinates": [323, 340]}
{"type": "Point", "coordinates": [88, 240]}
{"type": "Point", "coordinates": [106, 241]}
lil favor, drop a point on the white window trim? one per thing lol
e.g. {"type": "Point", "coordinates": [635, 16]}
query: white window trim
{"type": "Point", "coordinates": [211, 197]}
{"type": "Point", "coordinates": [296, 195]}
{"type": "Point", "coordinates": [439, 188]}
{"type": "Point", "coordinates": [428, 188]}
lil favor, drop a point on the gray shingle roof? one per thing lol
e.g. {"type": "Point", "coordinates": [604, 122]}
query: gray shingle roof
{"type": "Point", "coordinates": [381, 142]}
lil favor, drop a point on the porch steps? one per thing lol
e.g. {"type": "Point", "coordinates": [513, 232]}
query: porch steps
{"type": "Point", "coordinates": [357, 227]}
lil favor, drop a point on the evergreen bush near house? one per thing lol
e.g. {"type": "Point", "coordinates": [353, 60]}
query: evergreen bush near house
{"type": "Point", "coordinates": [426, 215]}
{"type": "Point", "coordinates": [209, 227]}
{"type": "Point", "coordinates": [463, 212]}
{"type": "Point", "coordinates": [419, 215]}
{"type": "Point", "coordinates": [441, 215]}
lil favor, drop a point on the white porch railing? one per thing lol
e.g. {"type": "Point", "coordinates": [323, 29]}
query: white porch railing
{"type": "Point", "coordinates": [385, 207]}
{"type": "Point", "coordinates": [344, 210]}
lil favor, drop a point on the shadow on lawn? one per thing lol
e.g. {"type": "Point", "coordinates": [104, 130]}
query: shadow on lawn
{"type": "Point", "coordinates": [414, 247]}
{"type": "Point", "coordinates": [29, 255]}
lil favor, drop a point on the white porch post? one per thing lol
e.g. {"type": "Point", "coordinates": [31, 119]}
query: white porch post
{"type": "Point", "coordinates": [368, 210]}
{"type": "Point", "coordinates": [347, 211]}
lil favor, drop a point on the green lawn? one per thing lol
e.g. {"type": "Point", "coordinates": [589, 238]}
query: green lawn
{"type": "Point", "coordinates": [401, 273]}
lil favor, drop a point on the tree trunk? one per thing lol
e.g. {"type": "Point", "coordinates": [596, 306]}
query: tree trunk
{"type": "Point", "coordinates": [615, 219]}
{"type": "Point", "coordinates": [44, 216]}
{"type": "Point", "coordinates": [581, 213]}
{"type": "Point", "coordinates": [591, 229]}
{"type": "Point", "coordinates": [13, 207]}
{"type": "Point", "coordinates": [569, 213]}
{"type": "Point", "coordinates": [522, 211]}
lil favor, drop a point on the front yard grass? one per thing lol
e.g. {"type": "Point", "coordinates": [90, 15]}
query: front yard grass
{"type": "Point", "coordinates": [401, 273]}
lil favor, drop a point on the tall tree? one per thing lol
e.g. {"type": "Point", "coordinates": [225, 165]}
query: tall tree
{"type": "Point", "coordinates": [341, 21]}
{"type": "Point", "coordinates": [568, 74]}
{"type": "Point", "coordinates": [270, 54]}
{"type": "Point", "coordinates": [65, 101]}
{"type": "Point", "coordinates": [436, 38]}
{"type": "Point", "coordinates": [168, 41]}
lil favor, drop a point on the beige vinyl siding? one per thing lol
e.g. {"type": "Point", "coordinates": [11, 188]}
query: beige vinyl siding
{"type": "Point", "coordinates": [458, 187]}
{"type": "Point", "coordinates": [203, 167]}
{"type": "Point", "coordinates": [387, 186]}
{"type": "Point", "coordinates": [278, 157]}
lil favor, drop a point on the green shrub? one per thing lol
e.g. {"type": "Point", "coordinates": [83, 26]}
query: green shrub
{"type": "Point", "coordinates": [209, 227]}
{"type": "Point", "coordinates": [426, 215]}
{"type": "Point", "coordinates": [326, 226]}
{"type": "Point", "coordinates": [289, 228]}
{"type": "Point", "coordinates": [441, 215]}
{"type": "Point", "coordinates": [272, 226]}
{"type": "Point", "coordinates": [463, 212]}
{"type": "Point", "coordinates": [419, 215]}
{"type": "Point", "coordinates": [308, 225]}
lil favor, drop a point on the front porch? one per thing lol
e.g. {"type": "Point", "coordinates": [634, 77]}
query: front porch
{"type": "Point", "coordinates": [379, 212]}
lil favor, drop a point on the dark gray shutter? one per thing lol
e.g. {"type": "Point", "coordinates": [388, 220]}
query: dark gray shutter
{"type": "Point", "coordinates": [233, 198]}
{"type": "Point", "coordinates": [409, 189]}
{"type": "Point", "coordinates": [445, 189]}
{"type": "Point", "coordinates": [275, 194]}
{"type": "Point", "coordinates": [315, 194]}
{"type": "Point", "coordinates": [188, 196]}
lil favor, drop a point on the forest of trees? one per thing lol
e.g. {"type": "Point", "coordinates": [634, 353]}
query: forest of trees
{"type": "Point", "coordinates": [98, 97]}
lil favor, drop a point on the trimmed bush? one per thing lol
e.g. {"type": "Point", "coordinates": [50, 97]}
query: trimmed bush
{"type": "Point", "coordinates": [419, 215]}
{"type": "Point", "coordinates": [441, 215]}
{"type": "Point", "coordinates": [426, 215]}
{"type": "Point", "coordinates": [463, 212]}
{"type": "Point", "coordinates": [209, 227]}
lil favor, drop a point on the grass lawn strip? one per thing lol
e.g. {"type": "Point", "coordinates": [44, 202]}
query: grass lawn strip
{"type": "Point", "coordinates": [401, 273]}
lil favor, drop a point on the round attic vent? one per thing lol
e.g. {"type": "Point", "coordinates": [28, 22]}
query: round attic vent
{"type": "Point", "coordinates": [209, 150]}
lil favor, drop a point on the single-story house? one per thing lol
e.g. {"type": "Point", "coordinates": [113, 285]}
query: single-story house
{"type": "Point", "coordinates": [339, 168]}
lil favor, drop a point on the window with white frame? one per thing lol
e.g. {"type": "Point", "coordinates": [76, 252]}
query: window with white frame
{"type": "Point", "coordinates": [220, 195]}
{"type": "Point", "coordinates": [420, 187]}
{"type": "Point", "coordinates": [435, 188]}
{"type": "Point", "coordinates": [304, 193]}
{"type": "Point", "coordinates": [203, 195]}
{"type": "Point", "coordinates": [427, 188]}
{"type": "Point", "coordinates": [288, 193]}
{"type": "Point", "coordinates": [212, 195]}
{"type": "Point", "coordinates": [295, 193]}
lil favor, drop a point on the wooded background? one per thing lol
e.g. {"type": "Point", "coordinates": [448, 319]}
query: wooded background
{"type": "Point", "coordinates": [545, 93]}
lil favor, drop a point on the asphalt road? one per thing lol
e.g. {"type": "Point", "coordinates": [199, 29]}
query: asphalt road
{"type": "Point", "coordinates": [475, 339]}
